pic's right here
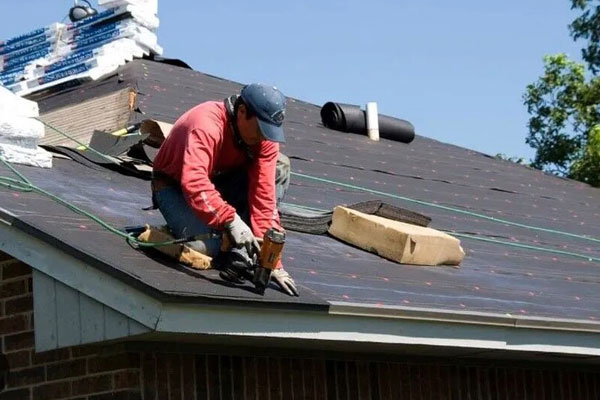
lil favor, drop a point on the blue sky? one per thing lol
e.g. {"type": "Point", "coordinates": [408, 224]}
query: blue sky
{"type": "Point", "coordinates": [456, 69]}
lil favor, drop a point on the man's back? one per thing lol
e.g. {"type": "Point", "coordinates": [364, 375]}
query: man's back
{"type": "Point", "coordinates": [202, 145]}
{"type": "Point", "coordinates": [209, 122]}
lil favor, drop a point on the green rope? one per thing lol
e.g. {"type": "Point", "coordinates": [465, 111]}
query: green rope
{"type": "Point", "coordinates": [447, 208]}
{"type": "Point", "coordinates": [25, 185]}
{"type": "Point", "coordinates": [83, 145]}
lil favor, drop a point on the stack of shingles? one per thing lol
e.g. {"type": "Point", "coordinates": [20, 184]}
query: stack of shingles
{"type": "Point", "coordinates": [20, 132]}
{"type": "Point", "coordinates": [87, 49]}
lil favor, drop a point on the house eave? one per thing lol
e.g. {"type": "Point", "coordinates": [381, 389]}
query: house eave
{"type": "Point", "coordinates": [343, 323]}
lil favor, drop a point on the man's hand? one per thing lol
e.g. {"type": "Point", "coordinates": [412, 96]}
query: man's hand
{"type": "Point", "coordinates": [242, 235]}
{"type": "Point", "coordinates": [285, 281]}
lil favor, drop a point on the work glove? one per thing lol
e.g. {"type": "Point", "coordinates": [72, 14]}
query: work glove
{"type": "Point", "coordinates": [242, 236]}
{"type": "Point", "coordinates": [235, 266]}
{"type": "Point", "coordinates": [285, 281]}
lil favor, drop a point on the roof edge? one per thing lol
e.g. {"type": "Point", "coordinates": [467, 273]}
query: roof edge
{"type": "Point", "coordinates": [466, 317]}
{"type": "Point", "coordinates": [370, 331]}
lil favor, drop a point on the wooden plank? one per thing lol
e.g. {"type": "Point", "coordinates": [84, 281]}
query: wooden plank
{"type": "Point", "coordinates": [394, 240]}
{"type": "Point", "coordinates": [44, 311]}
{"type": "Point", "coordinates": [115, 324]}
{"type": "Point", "coordinates": [92, 319]}
{"type": "Point", "coordinates": [106, 113]}
{"type": "Point", "coordinates": [67, 316]}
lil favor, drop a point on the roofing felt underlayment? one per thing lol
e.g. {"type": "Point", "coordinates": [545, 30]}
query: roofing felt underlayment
{"type": "Point", "coordinates": [495, 278]}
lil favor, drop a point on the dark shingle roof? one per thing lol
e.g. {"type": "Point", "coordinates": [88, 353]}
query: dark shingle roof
{"type": "Point", "coordinates": [493, 278]}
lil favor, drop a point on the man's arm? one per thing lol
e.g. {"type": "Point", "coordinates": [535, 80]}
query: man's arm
{"type": "Point", "coordinates": [197, 187]}
{"type": "Point", "coordinates": [261, 191]}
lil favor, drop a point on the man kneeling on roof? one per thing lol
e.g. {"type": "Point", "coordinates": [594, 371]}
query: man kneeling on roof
{"type": "Point", "coordinates": [220, 171]}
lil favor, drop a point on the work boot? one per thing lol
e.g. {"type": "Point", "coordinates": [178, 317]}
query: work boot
{"type": "Point", "coordinates": [235, 265]}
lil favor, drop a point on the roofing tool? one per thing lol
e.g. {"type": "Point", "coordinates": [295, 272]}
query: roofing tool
{"type": "Point", "coordinates": [128, 130]}
{"type": "Point", "coordinates": [270, 254]}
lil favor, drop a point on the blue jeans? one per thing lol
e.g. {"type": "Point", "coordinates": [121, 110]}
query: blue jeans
{"type": "Point", "coordinates": [233, 186]}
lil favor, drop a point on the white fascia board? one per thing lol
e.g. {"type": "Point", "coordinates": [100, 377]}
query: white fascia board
{"type": "Point", "coordinates": [466, 317]}
{"type": "Point", "coordinates": [336, 327]}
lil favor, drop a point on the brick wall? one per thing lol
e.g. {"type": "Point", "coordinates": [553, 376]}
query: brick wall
{"type": "Point", "coordinates": [170, 372]}
{"type": "Point", "coordinates": [200, 377]}
{"type": "Point", "coordinates": [83, 373]}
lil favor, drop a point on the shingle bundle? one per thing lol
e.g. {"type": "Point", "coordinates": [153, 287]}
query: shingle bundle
{"type": "Point", "coordinates": [20, 132]}
{"type": "Point", "coordinates": [87, 49]}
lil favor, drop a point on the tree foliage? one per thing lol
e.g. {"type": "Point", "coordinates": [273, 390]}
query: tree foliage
{"type": "Point", "coordinates": [587, 27]}
{"type": "Point", "coordinates": [564, 104]}
{"type": "Point", "coordinates": [587, 168]}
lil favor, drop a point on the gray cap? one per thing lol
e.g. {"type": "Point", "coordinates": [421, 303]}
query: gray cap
{"type": "Point", "coordinates": [269, 105]}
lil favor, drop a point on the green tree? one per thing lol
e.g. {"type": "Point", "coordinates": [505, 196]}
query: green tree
{"type": "Point", "coordinates": [587, 27]}
{"type": "Point", "coordinates": [564, 104]}
{"type": "Point", "coordinates": [587, 168]}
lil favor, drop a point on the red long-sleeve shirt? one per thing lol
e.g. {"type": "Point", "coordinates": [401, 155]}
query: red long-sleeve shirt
{"type": "Point", "coordinates": [201, 145]}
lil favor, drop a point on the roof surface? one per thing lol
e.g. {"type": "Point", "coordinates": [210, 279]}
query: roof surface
{"type": "Point", "coordinates": [493, 278]}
